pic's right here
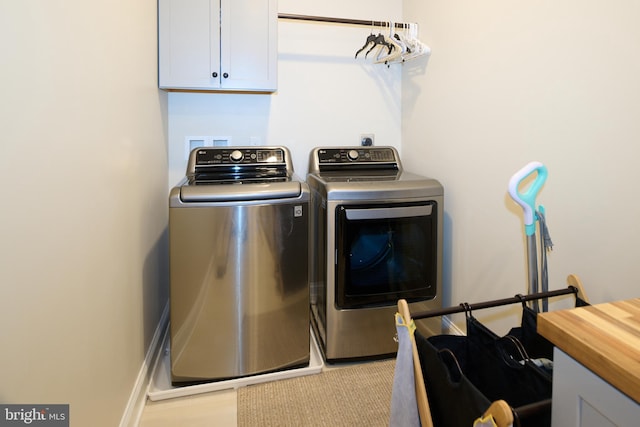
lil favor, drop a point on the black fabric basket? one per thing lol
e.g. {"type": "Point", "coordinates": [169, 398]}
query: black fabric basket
{"type": "Point", "coordinates": [464, 374]}
{"type": "Point", "coordinates": [453, 399]}
{"type": "Point", "coordinates": [503, 369]}
{"type": "Point", "coordinates": [536, 345]}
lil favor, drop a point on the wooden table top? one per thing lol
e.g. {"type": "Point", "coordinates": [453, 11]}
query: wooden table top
{"type": "Point", "coordinates": [604, 338]}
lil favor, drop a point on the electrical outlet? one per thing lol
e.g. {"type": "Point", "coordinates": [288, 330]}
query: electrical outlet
{"type": "Point", "coordinates": [193, 142]}
{"type": "Point", "coordinates": [221, 141]}
{"type": "Point", "coordinates": [367, 139]}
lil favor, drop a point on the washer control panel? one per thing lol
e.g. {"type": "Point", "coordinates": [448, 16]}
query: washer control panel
{"type": "Point", "coordinates": [211, 164]}
{"type": "Point", "coordinates": [238, 155]}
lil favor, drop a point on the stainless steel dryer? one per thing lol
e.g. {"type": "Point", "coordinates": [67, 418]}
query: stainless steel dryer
{"type": "Point", "coordinates": [239, 281]}
{"type": "Point", "coordinates": [377, 237]}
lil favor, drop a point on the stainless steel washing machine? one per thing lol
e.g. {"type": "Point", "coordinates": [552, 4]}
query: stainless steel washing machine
{"type": "Point", "coordinates": [377, 237]}
{"type": "Point", "coordinates": [239, 265]}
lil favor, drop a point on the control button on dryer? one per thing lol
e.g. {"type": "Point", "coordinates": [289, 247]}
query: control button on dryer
{"type": "Point", "coordinates": [353, 155]}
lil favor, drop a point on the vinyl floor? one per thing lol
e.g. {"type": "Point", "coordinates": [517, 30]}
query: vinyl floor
{"type": "Point", "coordinates": [217, 409]}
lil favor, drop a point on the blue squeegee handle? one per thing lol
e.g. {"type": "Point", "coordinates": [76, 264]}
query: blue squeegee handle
{"type": "Point", "coordinates": [528, 199]}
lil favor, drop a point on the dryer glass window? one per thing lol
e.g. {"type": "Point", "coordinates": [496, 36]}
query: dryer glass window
{"type": "Point", "coordinates": [385, 252]}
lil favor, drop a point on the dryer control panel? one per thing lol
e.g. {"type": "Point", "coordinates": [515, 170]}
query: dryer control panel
{"type": "Point", "coordinates": [379, 158]}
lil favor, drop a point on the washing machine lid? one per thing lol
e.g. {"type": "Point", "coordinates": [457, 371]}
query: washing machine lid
{"type": "Point", "coordinates": [231, 174]}
{"type": "Point", "coordinates": [240, 191]}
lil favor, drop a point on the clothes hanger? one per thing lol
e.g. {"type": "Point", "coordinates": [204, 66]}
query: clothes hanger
{"type": "Point", "coordinates": [370, 40]}
{"type": "Point", "coordinates": [380, 41]}
{"type": "Point", "coordinates": [402, 42]}
{"type": "Point", "coordinates": [394, 47]}
{"type": "Point", "coordinates": [417, 47]}
{"type": "Point", "coordinates": [393, 53]}
{"type": "Point", "coordinates": [375, 41]}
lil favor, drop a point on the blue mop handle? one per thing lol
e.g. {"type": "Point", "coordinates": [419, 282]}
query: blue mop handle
{"type": "Point", "coordinates": [528, 199]}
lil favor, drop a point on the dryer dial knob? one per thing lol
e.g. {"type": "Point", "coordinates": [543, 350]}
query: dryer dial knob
{"type": "Point", "coordinates": [236, 155]}
{"type": "Point", "coordinates": [353, 154]}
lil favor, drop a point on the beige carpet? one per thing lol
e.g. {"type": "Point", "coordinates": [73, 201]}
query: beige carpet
{"type": "Point", "coordinates": [356, 395]}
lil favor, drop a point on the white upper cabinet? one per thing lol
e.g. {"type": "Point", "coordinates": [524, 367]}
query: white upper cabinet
{"type": "Point", "coordinates": [226, 45]}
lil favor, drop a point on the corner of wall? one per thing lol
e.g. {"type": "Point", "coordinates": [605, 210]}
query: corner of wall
{"type": "Point", "coordinates": [137, 399]}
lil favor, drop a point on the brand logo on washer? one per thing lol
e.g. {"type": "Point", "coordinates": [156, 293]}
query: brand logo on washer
{"type": "Point", "coordinates": [297, 211]}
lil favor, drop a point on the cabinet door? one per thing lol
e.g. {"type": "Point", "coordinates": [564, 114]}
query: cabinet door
{"type": "Point", "coordinates": [249, 30]}
{"type": "Point", "coordinates": [189, 44]}
{"type": "Point", "coordinates": [583, 399]}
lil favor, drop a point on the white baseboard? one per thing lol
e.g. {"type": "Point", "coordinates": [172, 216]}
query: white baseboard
{"type": "Point", "coordinates": [138, 397]}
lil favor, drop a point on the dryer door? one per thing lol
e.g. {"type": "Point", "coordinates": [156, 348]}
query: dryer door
{"type": "Point", "coordinates": [385, 252]}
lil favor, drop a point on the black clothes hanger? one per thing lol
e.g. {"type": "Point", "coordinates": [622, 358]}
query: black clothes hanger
{"type": "Point", "coordinates": [371, 39]}
{"type": "Point", "coordinates": [374, 41]}
{"type": "Point", "coordinates": [380, 40]}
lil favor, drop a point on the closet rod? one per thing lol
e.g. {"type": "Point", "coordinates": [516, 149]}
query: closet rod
{"type": "Point", "coordinates": [495, 303]}
{"type": "Point", "coordinates": [340, 20]}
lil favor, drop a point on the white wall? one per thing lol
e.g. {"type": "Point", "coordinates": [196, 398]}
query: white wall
{"type": "Point", "coordinates": [84, 214]}
{"type": "Point", "coordinates": [325, 96]}
{"type": "Point", "coordinates": [510, 82]}
{"type": "Point", "coordinates": [84, 162]}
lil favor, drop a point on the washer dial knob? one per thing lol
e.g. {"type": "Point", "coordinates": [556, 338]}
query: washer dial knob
{"type": "Point", "coordinates": [236, 156]}
{"type": "Point", "coordinates": [353, 154]}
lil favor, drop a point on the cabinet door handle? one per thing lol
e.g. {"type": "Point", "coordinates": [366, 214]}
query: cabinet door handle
{"type": "Point", "coordinates": [225, 75]}
{"type": "Point", "coordinates": [214, 74]}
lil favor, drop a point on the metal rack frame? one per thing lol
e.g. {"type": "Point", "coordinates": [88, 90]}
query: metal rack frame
{"type": "Point", "coordinates": [494, 303]}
